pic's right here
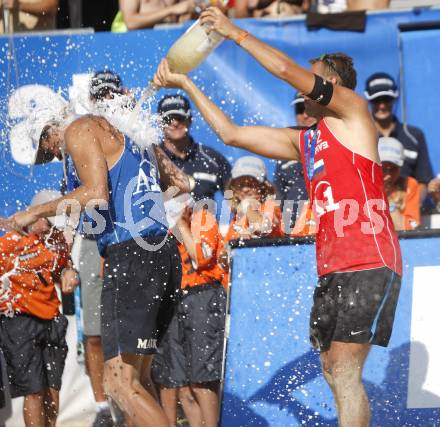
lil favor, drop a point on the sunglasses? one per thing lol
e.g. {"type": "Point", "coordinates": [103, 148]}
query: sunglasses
{"type": "Point", "coordinates": [382, 100]}
{"type": "Point", "coordinates": [177, 117]}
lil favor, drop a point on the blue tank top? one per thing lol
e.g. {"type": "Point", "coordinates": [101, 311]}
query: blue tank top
{"type": "Point", "coordinates": [135, 207]}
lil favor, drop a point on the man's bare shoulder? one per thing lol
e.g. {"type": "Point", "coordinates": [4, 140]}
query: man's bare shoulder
{"type": "Point", "coordinates": [87, 126]}
{"type": "Point", "coordinates": [79, 125]}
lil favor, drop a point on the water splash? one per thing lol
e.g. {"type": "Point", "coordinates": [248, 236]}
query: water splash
{"type": "Point", "coordinates": [122, 112]}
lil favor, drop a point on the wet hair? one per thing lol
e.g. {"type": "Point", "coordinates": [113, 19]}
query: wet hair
{"type": "Point", "coordinates": [341, 65]}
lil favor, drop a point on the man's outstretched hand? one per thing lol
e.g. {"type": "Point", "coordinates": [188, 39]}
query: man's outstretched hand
{"type": "Point", "coordinates": [18, 221]}
{"type": "Point", "coordinates": [165, 78]}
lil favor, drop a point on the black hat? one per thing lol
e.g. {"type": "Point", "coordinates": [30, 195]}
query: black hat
{"type": "Point", "coordinates": [174, 105]}
{"type": "Point", "coordinates": [104, 83]}
{"type": "Point", "coordinates": [380, 84]}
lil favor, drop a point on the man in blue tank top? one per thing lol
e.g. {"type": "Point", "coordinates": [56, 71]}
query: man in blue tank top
{"type": "Point", "coordinates": [119, 186]}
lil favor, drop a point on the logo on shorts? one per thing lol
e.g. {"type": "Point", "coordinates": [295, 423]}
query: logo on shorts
{"type": "Point", "coordinates": [147, 343]}
{"type": "Point", "coordinates": [356, 333]}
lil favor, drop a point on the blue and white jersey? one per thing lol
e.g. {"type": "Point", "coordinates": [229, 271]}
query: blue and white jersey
{"type": "Point", "coordinates": [135, 206]}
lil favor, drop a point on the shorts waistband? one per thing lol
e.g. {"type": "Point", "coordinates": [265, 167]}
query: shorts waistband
{"type": "Point", "coordinates": [189, 290]}
{"type": "Point", "coordinates": [129, 244]}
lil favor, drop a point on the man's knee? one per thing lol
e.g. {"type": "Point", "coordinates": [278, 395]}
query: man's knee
{"type": "Point", "coordinates": [186, 395]}
{"type": "Point", "coordinates": [119, 380]}
{"type": "Point", "coordinates": [112, 381]}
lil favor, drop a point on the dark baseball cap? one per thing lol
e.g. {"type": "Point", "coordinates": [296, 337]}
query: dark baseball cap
{"type": "Point", "coordinates": [174, 105]}
{"type": "Point", "coordinates": [104, 83]}
{"type": "Point", "coordinates": [380, 84]}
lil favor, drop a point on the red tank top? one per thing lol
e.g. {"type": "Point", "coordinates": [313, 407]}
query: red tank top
{"type": "Point", "coordinates": [354, 226]}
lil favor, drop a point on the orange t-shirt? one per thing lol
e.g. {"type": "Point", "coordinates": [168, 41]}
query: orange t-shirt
{"type": "Point", "coordinates": [29, 267]}
{"type": "Point", "coordinates": [411, 212]}
{"type": "Point", "coordinates": [208, 242]}
{"type": "Point", "coordinates": [405, 204]}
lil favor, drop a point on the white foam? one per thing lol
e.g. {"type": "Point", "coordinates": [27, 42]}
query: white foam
{"type": "Point", "coordinates": [140, 125]}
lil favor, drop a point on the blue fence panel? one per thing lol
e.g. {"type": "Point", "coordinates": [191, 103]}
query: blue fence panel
{"type": "Point", "coordinates": [273, 376]}
{"type": "Point", "coordinates": [421, 62]}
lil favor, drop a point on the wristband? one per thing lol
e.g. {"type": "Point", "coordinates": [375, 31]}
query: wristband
{"type": "Point", "coordinates": [241, 36]}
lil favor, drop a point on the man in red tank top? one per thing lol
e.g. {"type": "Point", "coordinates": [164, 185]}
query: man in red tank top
{"type": "Point", "coordinates": [358, 255]}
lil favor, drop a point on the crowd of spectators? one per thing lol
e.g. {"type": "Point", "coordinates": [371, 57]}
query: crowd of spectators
{"type": "Point", "coordinates": [124, 15]}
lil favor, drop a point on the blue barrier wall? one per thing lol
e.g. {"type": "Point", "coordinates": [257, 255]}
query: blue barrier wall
{"type": "Point", "coordinates": [422, 85]}
{"type": "Point", "coordinates": [234, 80]}
{"type": "Point", "coordinates": [273, 376]}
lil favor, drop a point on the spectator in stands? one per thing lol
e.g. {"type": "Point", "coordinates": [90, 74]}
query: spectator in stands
{"type": "Point", "coordinates": [403, 192]}
{"type": "Point", "coordinates": [336, 6]}
{"type": "Point", "coordinates": [189, 360]}
{"type": "Point", "coordinates": [29, 15]}
{"type": "Point", "coordinates": [258, 8]}
{"type": "Point", "coordinates": [289, 176]}
{"type": "Point", "coordinates": [330, 6]}
{"type": "Point", "coordinates": [138, 14]}
{"type": "Point", "coordinates": [381, 91]}
{"type": "Point", "coordinates": [367, 4]}
{"type": "Point", "coordinates": [255, 212]}
{"type": "Point", "coordinates": [210, 169]}
{"type": "Point", "coordinates": [32, 329]}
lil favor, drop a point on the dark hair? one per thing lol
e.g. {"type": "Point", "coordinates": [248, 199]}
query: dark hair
{"type": "Point", "coordinates": [341, 65]}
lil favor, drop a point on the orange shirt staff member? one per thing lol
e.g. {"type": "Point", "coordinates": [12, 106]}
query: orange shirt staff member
{"type": "Point", "coordinates": [189, 360]}
{"type": "Point", "coordinates": [32, 330]}
{"type": "Point", "coordinates": [255, 213]}
{"type": "Point", "coordinates": [403, 193]}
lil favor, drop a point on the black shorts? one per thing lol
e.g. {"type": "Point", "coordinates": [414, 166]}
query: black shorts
{"type": "Point", "coordinates": [138, 296]}
{"type": "Point", "coordinates": [35, 351]}
{"type": "Point", "coordinates": [192, 349]}
{"type": "Point", "coordinates": [354, 307]}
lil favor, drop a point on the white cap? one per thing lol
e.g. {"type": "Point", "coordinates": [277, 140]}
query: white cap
{"type": "Point", "coordinates": [46, 196]}
{"type": "Point", "coordinates": [391, 150]}
{"type": "Point", "coordinates": [249, 166]}
{"type": "Point", "coordinates": [41, 117]}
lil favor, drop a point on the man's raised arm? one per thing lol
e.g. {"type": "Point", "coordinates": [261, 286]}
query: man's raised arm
{"type": "Point", "coordinates": [270, 142]}
{"type": "Point", "coordinates": [91, 167]}
{"type": "Point", "coordinates": [343, 101]}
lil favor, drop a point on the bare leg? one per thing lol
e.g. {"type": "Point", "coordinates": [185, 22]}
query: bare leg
{"type": "Point", "coordinates": [168, 399]}
{"type": "Point", "coordinates": [342, 366]}
{"type": "Point", "coordinates": [51, 406]}
{"type": "Point", "coordinates": [207, 397]}
{"type": "Point", "coordinates": [190, 407]}
{"type": "Point", "coordinates": [148, 385]}
{"type": "Point", "coordinates": [33, 410]}
{"type": "Point", "coordinates": [95, 366]}
{"type": "Point", "coordinates": [146, 380]}
{"type": "Point", "coordinates": [122, 382]}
